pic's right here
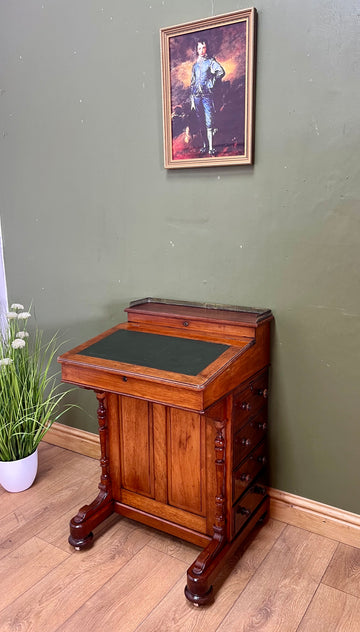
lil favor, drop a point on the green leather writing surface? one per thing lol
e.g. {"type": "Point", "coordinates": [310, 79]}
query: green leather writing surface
{"type": "Point", "coordinates": [167, 353]}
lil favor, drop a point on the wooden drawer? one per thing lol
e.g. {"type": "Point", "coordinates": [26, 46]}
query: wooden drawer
{"type": "Point", "coordinates": [249, 436]}
{"type": "Point", "coordinates": [244, 475]}
{"type": "Point", "coordinates": [246, 506]}
{"type": "Point", "coordinates": [248, 401]}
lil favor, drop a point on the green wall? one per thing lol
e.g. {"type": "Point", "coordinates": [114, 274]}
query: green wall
{"type": "Point", "coordinates": [92, 220]}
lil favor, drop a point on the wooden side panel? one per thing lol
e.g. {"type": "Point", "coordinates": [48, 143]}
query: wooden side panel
{"type": "Point", "coordinates": [255, 358]}
{"type": "Point", "coordinates": [137, 450]}
{"type": "Point", "coordinates": [160, 455]}
{"type": "Point", "coordinates": [186, 460]}
{"type": "Point", "coordinates": [112, 407]}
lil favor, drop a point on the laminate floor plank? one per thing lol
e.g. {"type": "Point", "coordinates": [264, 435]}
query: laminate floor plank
{"type": "Point", "coordinates": [332, 611]}
{"type": "Point", "coordinates": [54, 474]}
{"type": "Point", "coordinates": [286, 579]}
{"type": "Point", "coordinates": [25, 566]}
{"type": "Point", "coordinates": [180, 549]}
{"type": "Point", "coordinates": [278, 595]}
{"type": "Point", "coordinates": [176, 614]}
{"type": "Point", "coordinates": [343, 571]}
{"type": "Point", "coordinates": [127, 598]}
{"type": "Point", "coordinates": [56, 597]}
{"type": "Point", "coordinates": [40, 512]}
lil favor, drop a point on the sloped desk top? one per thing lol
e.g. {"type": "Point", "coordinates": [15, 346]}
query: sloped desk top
{"type": "Point", "coordinates": [165, 353]}
{"type": "Point", "coordinates": [197, 349]}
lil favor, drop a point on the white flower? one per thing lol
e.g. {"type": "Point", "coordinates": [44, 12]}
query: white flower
{"type": "Point", "coordinates": [22, 334]}
{"type": "Point", "coordinates": [5, 361]}
{"type": "Point", "coordinates": [17, 306]}
{"type": "Point", "coordinates": [11, 315]}
{"type": "Point", "coordinates": [18, 343]}
{"type": "Point", "coordinates": [23, 315]}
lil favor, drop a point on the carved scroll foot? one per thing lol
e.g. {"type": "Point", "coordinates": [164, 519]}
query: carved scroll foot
{"type": "Point", "coordinates": [87, 519]}
{"type": "Point", "coordinates": [213, 563]}
{"type": "Point", "coordinates": [199, 588]}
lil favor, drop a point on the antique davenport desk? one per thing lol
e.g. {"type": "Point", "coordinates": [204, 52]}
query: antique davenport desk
{"type": "Point", "coordinates": [182, 408]}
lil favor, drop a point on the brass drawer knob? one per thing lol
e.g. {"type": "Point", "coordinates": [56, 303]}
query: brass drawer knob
{"type": "Point", "coordinates": [245, 477]}
{"type": "Point", "coordinates": [245, 442]}
{"type": "Point", "coordinates": [263, 392]}
{"type": "Point", "coordinates": [245, 406]}
{"type": "Point", "coordinates": [244, 511]}
{"type": "Point", "coordinates": [262, 426]}
{"type": "Point", "coordinates": [258, 489]}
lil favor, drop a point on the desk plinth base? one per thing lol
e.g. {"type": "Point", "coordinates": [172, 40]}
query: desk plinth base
{"type": "Point", "coordinates": [201, 575]}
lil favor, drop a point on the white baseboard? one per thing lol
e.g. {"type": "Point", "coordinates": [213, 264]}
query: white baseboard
{"type": "Point", "coordinates": [330, 522]}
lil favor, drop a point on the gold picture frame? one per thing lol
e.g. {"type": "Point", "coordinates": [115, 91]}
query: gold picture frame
{"type": "Point", "coordinates": [208, 89]}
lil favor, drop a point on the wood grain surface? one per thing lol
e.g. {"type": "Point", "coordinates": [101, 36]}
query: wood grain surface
{"type": "Point", "coordinates": [285, 580]}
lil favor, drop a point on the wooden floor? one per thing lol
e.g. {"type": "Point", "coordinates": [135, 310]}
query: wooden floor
{"type": "Point", "coordinates": [287, 580]}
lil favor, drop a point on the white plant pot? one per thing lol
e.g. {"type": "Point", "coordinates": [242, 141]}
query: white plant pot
{"type": "Point", "coordinates": [16, 476]}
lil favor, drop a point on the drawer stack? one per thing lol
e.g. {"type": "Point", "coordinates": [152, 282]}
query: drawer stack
{"type": "Point", "coordinates": [249, 424]}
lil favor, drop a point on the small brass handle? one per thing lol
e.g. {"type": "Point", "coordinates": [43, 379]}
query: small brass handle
{"type": "Point", "coordinates": [185, 323]}
{"type": "Point", "coordinates": [243, 511]}
{"type": "Point", "coordinates": [262, 426]}
{"type": "Point", "coordinates": [245, 477]}
{"type": "Point", "coordinates": [245, 442]}
{"type": "Point", "coordinates": [245, 406]}
{"type": "Point", "coordinates": [263, 392]}
{"type": "Point", "coordinates": [262, 459]}
{"type": "Point", "coordinates": [124, 379]}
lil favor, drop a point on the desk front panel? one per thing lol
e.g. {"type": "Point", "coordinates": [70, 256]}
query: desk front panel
{"type": "Point", "coordinates": [158, 457]}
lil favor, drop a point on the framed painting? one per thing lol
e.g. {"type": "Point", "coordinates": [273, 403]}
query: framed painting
{"type": "Point", "coordinates": [208, 86]}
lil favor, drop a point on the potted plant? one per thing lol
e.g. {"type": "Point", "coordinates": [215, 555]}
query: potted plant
{"type": "Point", "coordinates": [29, 398]}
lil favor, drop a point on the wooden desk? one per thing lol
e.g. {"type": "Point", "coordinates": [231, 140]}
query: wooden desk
{"type": "Point", "coordinates": [182, 391]}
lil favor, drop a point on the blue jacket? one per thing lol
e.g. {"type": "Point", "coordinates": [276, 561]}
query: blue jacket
{"type": "Point", "coordinates": [203, 77]}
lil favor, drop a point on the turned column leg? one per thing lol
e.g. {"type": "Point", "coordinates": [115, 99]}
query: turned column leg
{"type": "Point", "coordinates": [199, 589]}
{"type": "Point", "coordinates": [91, 515]}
